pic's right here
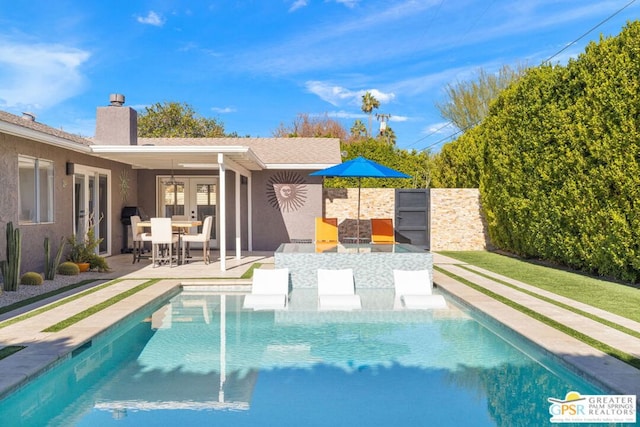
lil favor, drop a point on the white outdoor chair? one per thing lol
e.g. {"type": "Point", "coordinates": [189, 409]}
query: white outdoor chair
{"type": "Point", "coordinates": [336, 290]}
{"type": "Point", "coordinates": [413, 290]}
{"type": "Point", "coordinates": [138, 237]}
{"type": "Point", "coordinates": [202, 237]}
{"type": "Point", "coordinates": [269, 291]}
{"type": "Point", "coordinates": [162, 236]}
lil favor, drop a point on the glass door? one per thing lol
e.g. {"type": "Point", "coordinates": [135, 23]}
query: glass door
{"type": "Point", "coordinates": [203, 202]}
{"type": "Point", "coordinates": [91, 204]}
{"type": "Point", "coordinates": [191, 198]}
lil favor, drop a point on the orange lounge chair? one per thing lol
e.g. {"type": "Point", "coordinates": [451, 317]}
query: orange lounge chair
{"type": "Point", "coordinates": [382, 231]}
{"type": "Point", "coordinates": [326, 230]}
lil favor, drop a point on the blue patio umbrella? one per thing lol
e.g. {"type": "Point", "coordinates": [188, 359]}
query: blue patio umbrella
{"type": "Point", "coordinates": [360, 167]}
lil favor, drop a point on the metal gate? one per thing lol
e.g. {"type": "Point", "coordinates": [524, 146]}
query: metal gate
{"type": "Point", "coordinates": [412, 217]}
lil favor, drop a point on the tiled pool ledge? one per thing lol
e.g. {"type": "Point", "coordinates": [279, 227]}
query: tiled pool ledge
{"type": "Point", "coordinates": [372, 264]}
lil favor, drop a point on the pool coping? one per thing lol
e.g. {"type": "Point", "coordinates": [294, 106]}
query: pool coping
{"type": "Point", "coordinates": [47, 350]}
{"type": "Point", "coordinates": [598, 367]}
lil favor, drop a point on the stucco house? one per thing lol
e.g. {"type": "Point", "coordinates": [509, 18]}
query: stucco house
{"type": "Point", "coordinates": [258, 189]}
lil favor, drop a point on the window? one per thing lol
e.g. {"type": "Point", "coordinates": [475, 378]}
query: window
{"type": "Point", "coordinates": [35, 189]}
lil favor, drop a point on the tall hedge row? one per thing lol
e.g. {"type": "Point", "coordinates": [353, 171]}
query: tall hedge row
{"type": "Point", "coordinates": [560, 162]}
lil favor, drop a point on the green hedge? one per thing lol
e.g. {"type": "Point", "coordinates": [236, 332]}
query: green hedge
{"type": "Point", "coordinates": [560, 172]}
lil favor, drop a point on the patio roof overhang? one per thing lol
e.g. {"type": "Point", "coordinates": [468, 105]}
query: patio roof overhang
{"type": "Point", "coordinates": [179, 157]}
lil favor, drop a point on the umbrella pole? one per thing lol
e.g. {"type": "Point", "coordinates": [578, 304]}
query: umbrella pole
{"type": "Point", "coordinates": [358, 219]}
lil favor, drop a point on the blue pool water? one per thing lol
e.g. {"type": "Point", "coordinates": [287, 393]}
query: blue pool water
{"type": "Point", "coordinates": [201, 360]}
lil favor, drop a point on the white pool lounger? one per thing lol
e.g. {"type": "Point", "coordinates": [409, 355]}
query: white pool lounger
{"type": "Point", "coordinates": [269, 291]}
{"type": "Point", "coordinates": [414, 291]}
{"type": "Point", "coordinates": [336, 290]}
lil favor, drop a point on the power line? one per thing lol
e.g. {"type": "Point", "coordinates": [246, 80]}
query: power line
{"type": "Point", "coordinates": [543, 62]}
{"type": "Point", "coordinates": [590, 30]}
{"type": "Point", "coordinates": [432, 133]}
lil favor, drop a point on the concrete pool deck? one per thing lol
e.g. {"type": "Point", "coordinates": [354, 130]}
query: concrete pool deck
{"type": "Point", "coordinates": [46, 348]}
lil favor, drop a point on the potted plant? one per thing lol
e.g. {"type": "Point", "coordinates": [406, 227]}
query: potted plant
{"type": "Point", "coordinates": [83, 251]}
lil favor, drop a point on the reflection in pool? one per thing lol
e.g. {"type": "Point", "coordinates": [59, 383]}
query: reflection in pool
{"type": "Point", "coordinates": [202, 360]}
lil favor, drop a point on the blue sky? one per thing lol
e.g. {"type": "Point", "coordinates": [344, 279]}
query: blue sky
{"type": "Point", "coordinates": [254, 64]}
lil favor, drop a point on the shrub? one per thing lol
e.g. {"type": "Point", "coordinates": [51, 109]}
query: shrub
{"type": "Point", "coordinates": [31, 278]}
{"type": "Point", "coordinates": [97, 262]}
{"type": "Point", "coordinates": [68, 269]}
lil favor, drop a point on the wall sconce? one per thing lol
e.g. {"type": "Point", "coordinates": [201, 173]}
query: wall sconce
{"type": "Point", "coordinates": [70, 168]}
{"type": "Point", "coordinates": [243, 180]}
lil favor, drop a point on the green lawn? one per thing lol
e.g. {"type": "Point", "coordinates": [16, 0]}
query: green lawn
{"type": "Point", "coordinates": [613, 297]}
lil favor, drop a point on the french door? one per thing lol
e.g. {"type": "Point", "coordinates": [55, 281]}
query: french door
{"type": "Point", "coordinates": [193, 198]}
{"type": "Point", "coordinates": [91, 204]}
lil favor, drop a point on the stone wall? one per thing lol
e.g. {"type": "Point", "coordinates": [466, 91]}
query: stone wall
{"type": "Point", "coordinates": [342, 203]}
{"type": "Point", "coordinates": [457, 223]}
{"type": "Point", "coordinates": [455, 214]}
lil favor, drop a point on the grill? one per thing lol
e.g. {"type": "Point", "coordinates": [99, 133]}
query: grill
{"type": "Point", "coordinates": [125, 219]}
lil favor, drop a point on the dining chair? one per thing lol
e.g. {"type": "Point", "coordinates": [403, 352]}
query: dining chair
{"type": "Point", "coordinates": [138, 238]}
{"type": "Point", "coordinates": [203, 237]}
{"type": "Point", "coordinates": [162, 236]}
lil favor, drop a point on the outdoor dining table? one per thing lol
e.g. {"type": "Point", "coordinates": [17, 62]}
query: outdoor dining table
{"type": "Point", "coordinates": [180, 226]}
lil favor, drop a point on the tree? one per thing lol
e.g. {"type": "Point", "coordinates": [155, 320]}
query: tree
{"type": "Point", "coordinates": [305, 126]}
{"type": "Point", "coordinates": [468, 102]}
{"type": "Point", "coordinates": [414, 163]}
{"type": "Point", "coordinates": [388, 135]}
{"type": "Point", "coordinates": [358, 130]}
{"type": "Point", "coordinates": [369, 103]}
{"type": "Point", "coordinates": [176, 120]}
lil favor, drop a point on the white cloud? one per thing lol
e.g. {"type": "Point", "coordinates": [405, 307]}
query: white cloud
{"type": "Point", "coordinates": [39, 76]}
{"type": "Point", "coordinates": [297, 4]}
{"type": "Point", "coordinates": [348, 3]}
{"type": "Point", "coordinates": [380, 96]}
{"type": "Point", "coordinates": [223, 110]}
{"type": "Point", "coordinates": [439, 128]}
{"type": "Point", "coordinates": [152, 18]}
{"type": "Point", "coordinates": [338, 95]}
{"type": "Point", "coordinates": [398, 118]}
{"type": "Point", "coordinates": [334, 95]}
{"type": "Point", "coordinates": [345, 115]}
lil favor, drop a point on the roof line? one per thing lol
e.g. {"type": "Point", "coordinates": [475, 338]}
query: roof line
{"type": "Point", "coordinates": [39, 136]}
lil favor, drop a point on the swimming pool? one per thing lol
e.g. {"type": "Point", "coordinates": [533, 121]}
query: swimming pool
{"type": "Point", "coordinates": [199, 359]}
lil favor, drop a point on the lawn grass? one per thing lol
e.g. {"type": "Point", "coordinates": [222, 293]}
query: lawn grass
{"type": "Point", "coordinates": [41, 310]}
{"type": "Point", "coordinates": [613, 297]}
{"type": "Point", "coordinates": [618, 354]}
{"type": "Point", "coordinates": [46, 295]}
{"type": "Point", "coordinates": [249, 273]}
{"type": "Point", "coordinates": [98, 307]}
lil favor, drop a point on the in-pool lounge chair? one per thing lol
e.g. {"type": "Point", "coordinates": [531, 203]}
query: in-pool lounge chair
{"type": "Point", "coordinates": [382, 231]}
{"type": "Point", "coordinates": [269, 291]}
{"type": "Point", "coordinates": [336, 290]}
{"type": "Point", "coordinates": [414, 291]}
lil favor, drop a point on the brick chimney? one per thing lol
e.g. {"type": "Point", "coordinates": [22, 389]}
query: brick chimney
{"type": "Point", "coordinates": [116, 124]}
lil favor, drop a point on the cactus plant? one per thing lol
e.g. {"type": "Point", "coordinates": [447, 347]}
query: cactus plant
{"type": "Point", "coordinates": [11, 266]}
{"type": "Point", "coordinates": [51, 265]}
{"type": "Point", "coordinates": [68, 268]}
{"type": "Point", "coordinates": [31, 278]}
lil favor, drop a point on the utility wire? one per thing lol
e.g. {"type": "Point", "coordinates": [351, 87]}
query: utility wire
{"type": "Point", "coordinates": [543, 62]}
{"type": "Point", "coordinates": [590, 30]}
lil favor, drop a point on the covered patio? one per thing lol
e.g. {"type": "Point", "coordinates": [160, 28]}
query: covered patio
{"type": "Point", "coordinates": [239, 176]}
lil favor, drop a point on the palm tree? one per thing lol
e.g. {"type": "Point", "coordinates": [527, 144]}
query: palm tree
{"type": "Point", "coordinates": [358, 130]}
{"type": "Point", "coordinates": [369, 102]}
{"type": "Point", "coordinates": [388, 135]}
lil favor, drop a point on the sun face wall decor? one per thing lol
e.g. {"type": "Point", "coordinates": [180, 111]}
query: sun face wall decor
{"type": "Point", "coordinates": [287, 191]}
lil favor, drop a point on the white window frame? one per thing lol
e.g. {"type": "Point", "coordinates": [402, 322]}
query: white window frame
{"type": "Point", "coordinates": [39, 191]}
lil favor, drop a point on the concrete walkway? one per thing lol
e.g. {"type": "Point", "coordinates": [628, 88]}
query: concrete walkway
{"type": "Point", "coordinates": [43, 349]}
{"type": "Point", "coordinates": [600, 367]}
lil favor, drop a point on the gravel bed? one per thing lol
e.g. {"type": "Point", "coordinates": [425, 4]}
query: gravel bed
{"type": "Point", "coordinates": [27, 291]}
